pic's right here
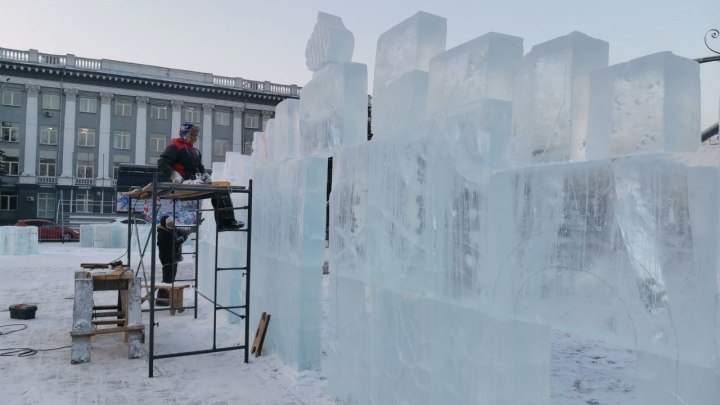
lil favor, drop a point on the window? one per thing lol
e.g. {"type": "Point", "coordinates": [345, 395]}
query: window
{"type": "Point", "coordinates": [47, 167]}
{"type": "Point", "coordinates": [83, 202]}
{"type": "Point", "coordinates": [50, 101]}
{"type": "Point", "coordinates": [123, 108]}
{"type": "Point", "coordinates": [8, 201]}
{"type": "Point", "coordinates": [192, 115]}
{"type": "Point", "coordinates": [11, 97]}
{"type": "Point", "coordinates": [222, 118]}
{"type": "Point", "coordinates": [158, 112]}
{"type": "Point", "coordinates": [85, 165]}
{"type": "Point", "coordinates": [48, 135]}
{"type": "Point", "coordinates": [45, 205]}
{"type": "Point", "coordinates": [252, 121]}
{"type": "Point", "coordinates": [12, 165]}
{"type": "Point", "coordinates": [157, 143]}
{"type": "Point", "coordinates": [88, 105]}
{"type": "Point", "coordinates": [86, 137]}
{"type": "Point", "coordinates": [10, 132]}
{"type": "Point", "coordinates": [121, 140]}
{"type": "Point", "coordinates": [220, 147]}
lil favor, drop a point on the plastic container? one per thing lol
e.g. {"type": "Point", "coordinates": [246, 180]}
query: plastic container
{"type": "Point", "coordinates": [22, 311]}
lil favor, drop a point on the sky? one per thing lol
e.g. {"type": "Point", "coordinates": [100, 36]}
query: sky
{"type": "Point", "coordinates": [265, 40]}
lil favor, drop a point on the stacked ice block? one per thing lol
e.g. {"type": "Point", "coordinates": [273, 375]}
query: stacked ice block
{"type": "Point", "coordinates": [113, 236]}
{"type": "Point", "coordinates": [18, 240]}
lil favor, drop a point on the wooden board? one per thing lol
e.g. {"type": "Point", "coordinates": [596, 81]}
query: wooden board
{"type": "Point", "coordinates": [260, 334]}
{"type": "Point", "coordinates": [189, 191]}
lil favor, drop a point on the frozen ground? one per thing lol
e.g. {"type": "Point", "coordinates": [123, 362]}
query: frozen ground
{"type": "Point", "coordinates": [583, 371]}
{"type": "Point", "coordinates": [46, 280]}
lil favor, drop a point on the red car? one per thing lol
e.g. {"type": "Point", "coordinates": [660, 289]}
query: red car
{"type": "Point", "coordinates": [49, 230]}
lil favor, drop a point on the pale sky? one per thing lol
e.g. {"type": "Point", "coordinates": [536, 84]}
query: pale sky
{"type": "Point", "coordinates": [265, 39]}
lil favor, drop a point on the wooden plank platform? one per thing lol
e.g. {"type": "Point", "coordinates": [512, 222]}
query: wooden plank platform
{"type": "Point", "coordinates": [260, 334]}
{"type": "Point", "coordinates": [189, 192]}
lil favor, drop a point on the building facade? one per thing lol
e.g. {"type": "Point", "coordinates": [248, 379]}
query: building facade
{"type": "Point", "coordinates": [69, 122]}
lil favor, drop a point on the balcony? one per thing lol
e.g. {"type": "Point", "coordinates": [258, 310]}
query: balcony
{"type": "Point", "coordinates": [46, 180]}
{"type": "Point", "coordinates": [147, 71]}
{"type": "Point", "coordinates": [80, 181]}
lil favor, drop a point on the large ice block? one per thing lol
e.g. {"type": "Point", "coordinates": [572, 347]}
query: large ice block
{"type": "Point", "coordinates": [288, 253]}
{"type": "Point", "coordinates": [333, 109]}
{"type": "Point", "coordinates": [287, 129]}
{"type": "Point", "coordinates": [409, 46]}
{"type": "Point", "coordinates": [18, 240]}
{"type": "Point", "coordinates": [550, 107]}
{"type": "Point", "coordinates": [482, 68]}
{"type": "Point", "coordinates": [401, 64]}
{"type": "Point", "coordinates": [650, 104]}
{"type": "Point", "coordinates": [330, 42]}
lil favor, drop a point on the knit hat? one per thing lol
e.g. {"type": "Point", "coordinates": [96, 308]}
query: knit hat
{"type": "Point", "coordinates": [185, 130]}
{"type": "Point", "coordinates": [163, 220]}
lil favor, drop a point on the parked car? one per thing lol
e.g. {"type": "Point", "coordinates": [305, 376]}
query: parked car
{"type": "Point", "coordinates": [49, 230]}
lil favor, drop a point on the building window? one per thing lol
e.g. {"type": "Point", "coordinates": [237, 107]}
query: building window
{"type": "Point", "coordinates": [51, 101]}
{"type": "Point", "coordinates": [123, 108]}
{"type": "Point", "coordinates": [48, 135]}
{"type": "Point", "coordinates": [88, 105]}
{"type": "Point", "coordinates": [12, 165]}
{"type": "Point", "coordinates": [158, 112]}
{"type": "Point", "coordinates": [45, 205]}
{"type": "Point", "coordinates": [11, 97]}
{"type": "Point", "coordinates": [252, 121]}
{"type": "Point", "coordinates": [192, 115]}
{"type": "Point", "coordinates": [86, 137]}
{"type": "Point", "coordinates": [83, 203]}
{"type": "Point", "coordinates": [220, 147]}
{"type": "Point", "coordinates": [121, 140]}
{"type": "Point", "coordinates": [157, 143]}
{"type": "Point", "coordinates": [85, 165]}
{"type": "Point", "coordinates": [8, 201]}
{"type": "Point", "coordinates": [222, 118]}
{"type": "Point", "coordinates": [47, 167]}
{"type": "Point", "coordinates": [10, 132]}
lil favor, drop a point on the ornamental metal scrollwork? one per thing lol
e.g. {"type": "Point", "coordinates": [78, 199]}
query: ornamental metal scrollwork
{"type": "Point", "coordinates": [714, 34]}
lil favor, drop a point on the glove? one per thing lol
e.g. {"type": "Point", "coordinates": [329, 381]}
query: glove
{"type": "Point", "coordinates": [175, 177]}
{"type": "Point", "coordinates": [203, 177]}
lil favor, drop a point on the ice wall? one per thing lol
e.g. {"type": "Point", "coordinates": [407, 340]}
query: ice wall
{"type": "Point", "coordinates": [455, 248]}
{"type": "Point", "coordinates": [113, 236]}
{"type": "Point", "coordinates": [18, 240]}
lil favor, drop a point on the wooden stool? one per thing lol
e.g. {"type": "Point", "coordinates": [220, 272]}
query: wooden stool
{"type": "Point", "coordinates": [175, 293]}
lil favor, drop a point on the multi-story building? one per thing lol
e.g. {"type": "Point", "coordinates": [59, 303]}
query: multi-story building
{"type": "Point", "coordinates": [69, 122]}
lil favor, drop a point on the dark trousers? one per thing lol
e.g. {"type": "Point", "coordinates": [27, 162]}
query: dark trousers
{"type": "Point", "coordinates": [169, 269]}
{"type": "Point", "coordinates": [223, 217]}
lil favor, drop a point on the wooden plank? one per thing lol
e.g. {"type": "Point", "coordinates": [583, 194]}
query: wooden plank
{"type": "Point", "coordinates": [94, 265]}
{"type": "Point", "coordinates": [260, 334]}
{"type": "Point", "coordinates": [108, 322]}
{"type": "Point", "coordinates": [105, 331]}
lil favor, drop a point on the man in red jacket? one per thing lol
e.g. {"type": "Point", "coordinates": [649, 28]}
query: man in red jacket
{"type": "Point", "coordinates": [181, 161]}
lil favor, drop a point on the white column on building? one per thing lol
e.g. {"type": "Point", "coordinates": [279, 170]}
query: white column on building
{"type": "Point", "coordinates": [68, 143]}
{"type": "Point", "coordinates": [237, 142]}
{"type": "Point", "coordinates": [104, 161]}
{"type": "Point", "coordinates": [206, 136]}
{"type": "Point", "coordinates": [176, 112]}
{"type": "Point", "coordinates": [141, 130]}
{"type": "Point", "coordinates": [31, 135]}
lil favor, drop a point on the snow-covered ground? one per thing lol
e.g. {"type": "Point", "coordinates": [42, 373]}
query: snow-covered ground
{"type": "Point", "coordinates": [46, 280]}
{"type": "Point", "coordinates": [583, 371]}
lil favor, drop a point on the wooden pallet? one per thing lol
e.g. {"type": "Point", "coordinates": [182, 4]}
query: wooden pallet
{"type": "Point", "coordinates": [260, 334]}
{"type": "Point", "coordinates": [190, 191]}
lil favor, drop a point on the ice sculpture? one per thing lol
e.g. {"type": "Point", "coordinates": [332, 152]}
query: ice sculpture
{"type": "Point", "coordinates": [650, 104]}
{"type": "Point", "coordinates": [333, 106]}
{"type": "Point", "coordinates": [436, 242]}
{"type": "Point", "coordinates": [550, 108]}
